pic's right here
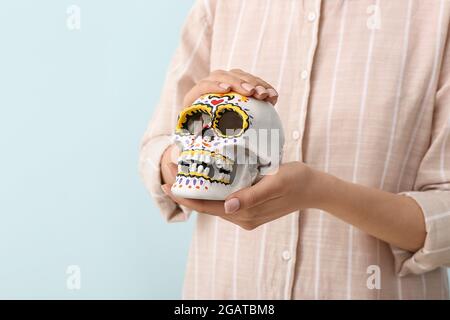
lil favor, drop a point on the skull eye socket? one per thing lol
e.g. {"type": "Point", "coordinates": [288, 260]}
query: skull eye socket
{"type": "Point", "coordinates": [195, 123]}
{"type": "Point", "coordinates": [230, 121]}
{"type": "Point", "coordinates": [192, 119]}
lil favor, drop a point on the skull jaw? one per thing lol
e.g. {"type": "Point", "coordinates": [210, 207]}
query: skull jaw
{"type": "Point", "coordinates": [200, 188]}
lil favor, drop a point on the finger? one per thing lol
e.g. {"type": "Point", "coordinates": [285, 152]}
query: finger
{"type": "Point", "coordinates": [265, 190]}
{"type": "Point", "coordinates": [249, 78]}
{"type": "Point", "coordinates": [203, 87]}
{"type": "Point", "coordinates": [168, 168]}
{"type": "Point", "coordinates": [272, 98]}
{"type": "Point", "coordinates": [261, 93]}
{"type": "Point", "coordinates": [266, 92]}
{"type": "Point", "coordinates": [256, 81]}
{"type": "Point", "coordinates": [230, 218]}
{"type": "Point", "coordinates": [174, 153]}
{"type": "Point", "coordinates": [204, 206]}
{"type": "Point", "coordinates": [238, 84]}
{"type": "Point", "coordinates": [173, 168]}
{"type": "Point", "coordinates": [246, 225]}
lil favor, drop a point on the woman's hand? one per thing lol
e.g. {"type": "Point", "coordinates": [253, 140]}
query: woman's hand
{"type": "Point", "coordinates": [168, 164]}
{"type": "Point", "coordinates": [294, 186]}
{"type": "Point", "coordinates": [393, 218]}
{"type": "Point", "coordinates": [236, 80]}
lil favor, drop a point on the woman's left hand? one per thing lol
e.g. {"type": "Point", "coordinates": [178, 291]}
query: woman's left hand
{"type": "Point", "coordinates": [294, 186]}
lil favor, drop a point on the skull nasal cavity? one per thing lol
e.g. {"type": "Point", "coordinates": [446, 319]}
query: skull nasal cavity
{"type": "Point", "coordinates": [230, 123]}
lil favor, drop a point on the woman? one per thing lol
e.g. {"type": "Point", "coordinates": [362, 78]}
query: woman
{"type": "Point", "coordinates": [360, 208]}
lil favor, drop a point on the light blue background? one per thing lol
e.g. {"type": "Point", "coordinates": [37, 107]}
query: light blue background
{"type": "Point", "coordinates": [73, 107]}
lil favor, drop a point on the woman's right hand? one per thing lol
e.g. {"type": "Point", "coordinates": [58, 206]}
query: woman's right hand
{"type": "Point", "coordinates": [236, 80]}
{"type": "Point", "coordinates": [168, 164]}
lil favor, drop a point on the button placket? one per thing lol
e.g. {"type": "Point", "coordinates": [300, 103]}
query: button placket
{"type": "Point", "coordinates": [312, 15]}
{"type": "Point", "coordinates": [311, 25]}
{"type": "Point", "coordinates": [304, 74]}
{"type": "Point", "coordinates": [286, 255]}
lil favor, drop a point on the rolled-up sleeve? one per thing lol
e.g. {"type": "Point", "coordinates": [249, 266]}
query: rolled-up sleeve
{"type": "Point", "coordinates": [435, 252]}
{"type": "Point", "coordinates": [432, 188]}
{"type": "Point", "coordinates": [189, 64]}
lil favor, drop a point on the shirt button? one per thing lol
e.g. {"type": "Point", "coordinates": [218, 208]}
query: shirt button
{"type": "Point", "coordinates": [295, 135]}
{"type": "Point", "coordinates": [311, 16]}
{"type": "Point", "coordinates": [286, 255]}
{"type": "Point", "coordinates": [304, 74]}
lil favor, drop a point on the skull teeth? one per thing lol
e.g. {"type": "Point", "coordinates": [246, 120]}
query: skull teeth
{"type": "Point", "coordinates": [223, 165]}
{"type": "Point", "coordinates": [204, 156]}
{"type": "Point", "coordinates": [204, 164]}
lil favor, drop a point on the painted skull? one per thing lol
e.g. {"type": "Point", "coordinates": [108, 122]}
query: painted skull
{"type": "Point", "coordinates": [227, 142]}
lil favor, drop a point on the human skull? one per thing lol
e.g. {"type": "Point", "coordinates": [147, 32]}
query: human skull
{"type": "Point", "coordinates": [227, 142]}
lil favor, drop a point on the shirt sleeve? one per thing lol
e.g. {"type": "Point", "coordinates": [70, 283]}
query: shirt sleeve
{"type": "Point", "coordinates": [432, 188]}
{"type": "Point", "coordinates": [190, 63]}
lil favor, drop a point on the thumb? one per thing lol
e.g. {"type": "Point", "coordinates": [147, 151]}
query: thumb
{"type": "Point", "coordinates": [248, 197]}
{"type": "Point", "coordinates": [173, 168]}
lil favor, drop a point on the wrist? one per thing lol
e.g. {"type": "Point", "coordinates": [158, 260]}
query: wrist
{"type": "Point", "coordinates": [323, 189]}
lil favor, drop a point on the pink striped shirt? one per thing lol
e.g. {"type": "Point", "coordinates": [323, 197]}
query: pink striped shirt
{"type": "Point", "coordinates": [364, 95]}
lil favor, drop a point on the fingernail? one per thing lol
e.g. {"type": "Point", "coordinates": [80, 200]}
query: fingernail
{"type": "Point", "coordinates": [232, 205]}
{"type": "Point", "coordinates": [261, 90]}
{"type": "Point", "coordinates": [272, 93]}
{"type": "Point", "coordinates": [164, 189]}
{"type": "Point", "coordinates": [225, 86]}
{"type": "Point", "coordinates": [247, 86]}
